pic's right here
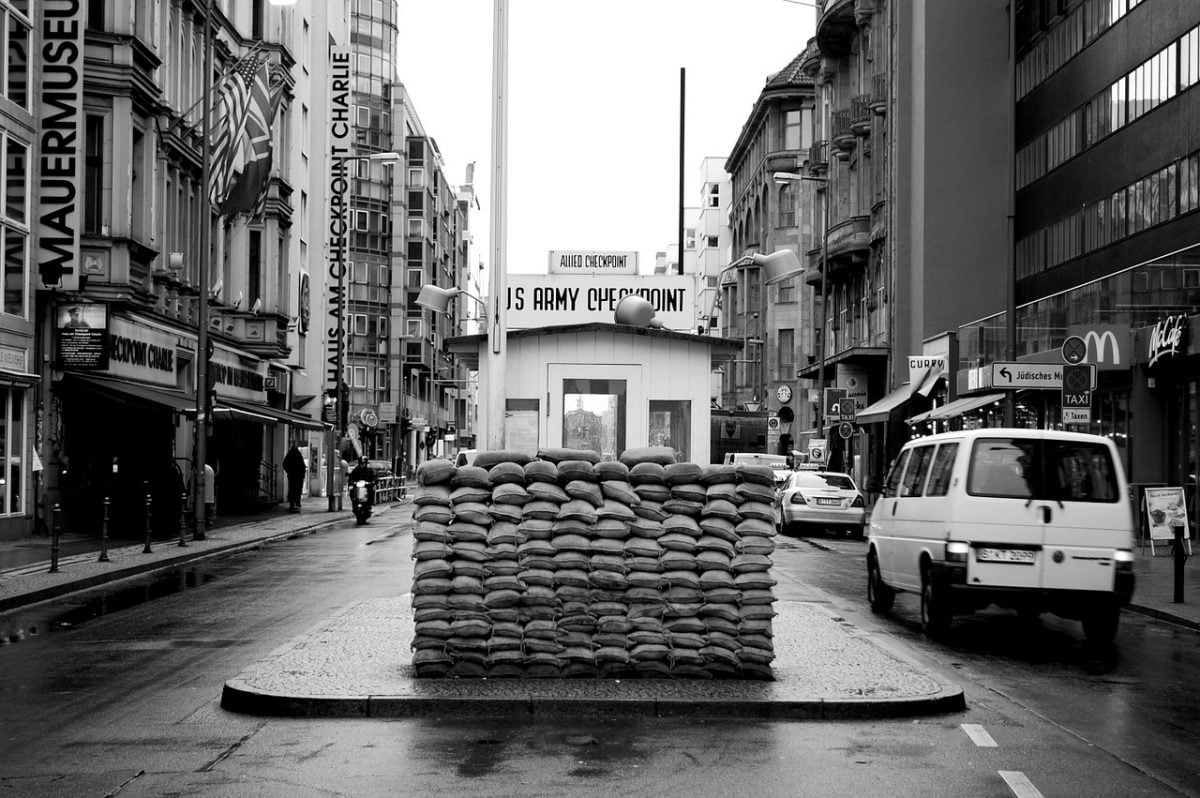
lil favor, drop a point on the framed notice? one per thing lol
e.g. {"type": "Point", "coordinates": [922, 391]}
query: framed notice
{"type": "Point", "coordinates": [82, 335]}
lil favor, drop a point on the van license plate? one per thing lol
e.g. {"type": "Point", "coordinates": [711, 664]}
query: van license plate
{"type": "Point", "coordinates": [1023, 556]}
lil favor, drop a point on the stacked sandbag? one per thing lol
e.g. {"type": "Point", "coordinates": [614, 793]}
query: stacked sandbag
{"type": "Point", "coordinates": [565, 566]}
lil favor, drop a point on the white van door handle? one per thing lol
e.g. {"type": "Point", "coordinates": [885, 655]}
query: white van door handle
{"type": "Point", "coordinates": [1045, 514]}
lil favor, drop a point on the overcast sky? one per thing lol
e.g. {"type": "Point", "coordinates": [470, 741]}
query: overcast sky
{"type": "Point", "coordinates": [593, 117]}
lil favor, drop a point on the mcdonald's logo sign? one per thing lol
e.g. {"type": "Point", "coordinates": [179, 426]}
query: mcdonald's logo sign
{"type": "Point", "coordinates": [1108, 345]}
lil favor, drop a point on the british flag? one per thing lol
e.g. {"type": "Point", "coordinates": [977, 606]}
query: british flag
{"type": "Point", "coordinates": [242, 153]}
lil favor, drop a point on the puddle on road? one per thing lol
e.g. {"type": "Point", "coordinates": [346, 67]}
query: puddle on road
{"type": "Point", "coordinates": [62, 614]}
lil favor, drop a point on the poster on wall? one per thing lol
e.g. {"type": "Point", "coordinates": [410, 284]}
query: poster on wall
{"type": "Point", "coordinates": [82, 335]}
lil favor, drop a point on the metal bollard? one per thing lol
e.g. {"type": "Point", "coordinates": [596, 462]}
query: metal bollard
{"type": "Point", "coordinates": [55, 528]}
{"type": "Point", "coordinates": [1178, 549]}
{"type": "Point", "coordinates": [104, 533]}
{"type": "Point", "coordinates": [183, 520]}
{"type": "Point", "coordinates": [148, 502]}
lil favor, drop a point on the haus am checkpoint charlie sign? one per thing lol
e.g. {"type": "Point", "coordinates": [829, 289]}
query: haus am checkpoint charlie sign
{"type": "Point", "coordinates": [549, 300]}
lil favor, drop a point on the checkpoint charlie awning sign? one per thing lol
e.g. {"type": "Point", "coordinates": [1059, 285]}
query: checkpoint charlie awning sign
{"type": "Point", "coordinates": [547, 300]}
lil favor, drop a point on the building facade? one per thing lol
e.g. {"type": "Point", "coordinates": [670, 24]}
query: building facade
{"type": "Point", "coordinates": [765, 215]}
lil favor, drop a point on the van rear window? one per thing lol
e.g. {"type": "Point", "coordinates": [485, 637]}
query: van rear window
{"type": "Point", "coordinates": [1026, 468]}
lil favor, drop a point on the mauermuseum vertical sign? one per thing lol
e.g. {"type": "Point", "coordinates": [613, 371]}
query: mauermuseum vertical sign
{"type": "Point", "coordinates": [58, 178]}
{"type": "Point", "coordinates": [340, 136]}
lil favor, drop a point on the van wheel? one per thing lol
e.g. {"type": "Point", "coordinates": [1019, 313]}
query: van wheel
{"type": "Point", "coordinates": [935, 609]}
{"type": "Point", "coordinates": [1100, 626]}
{"type": "Point", "coordinates": [879, 596]}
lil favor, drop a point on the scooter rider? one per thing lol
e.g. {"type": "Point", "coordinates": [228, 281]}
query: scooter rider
{"type": "Point", "coordinates": [364, 472]}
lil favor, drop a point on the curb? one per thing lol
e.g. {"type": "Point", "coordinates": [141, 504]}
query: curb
{"type": "Point", "coordinates": [238, 696]}
{"type": "Point", "coordinates": [67, 587]}
{"type": "Point", "coordinates": [1162, 615]}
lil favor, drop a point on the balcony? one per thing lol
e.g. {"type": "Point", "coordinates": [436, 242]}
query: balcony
{"type": "Point", "coordinates": [879, 94]}
{"type": "Point", "coordinates": [849, 246]}
{"type": "Point", "coordinates": [843, 137]}
{"type": "Point", "coordinates": [860, 115]}
{"type": "Point", "coordinates": [818, 156]}
{"type": "Point", "coordinates": [836, 27]}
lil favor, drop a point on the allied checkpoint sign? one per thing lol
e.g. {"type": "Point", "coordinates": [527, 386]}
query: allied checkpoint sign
{"type": "Point", "coordinates": [550, 300]}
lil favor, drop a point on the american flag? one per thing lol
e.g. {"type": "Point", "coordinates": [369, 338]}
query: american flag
{"type": "Point", "coordinates": [241, 147]}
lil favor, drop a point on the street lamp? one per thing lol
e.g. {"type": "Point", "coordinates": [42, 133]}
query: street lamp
{"type": "Point", "coordinates": [784, 177]}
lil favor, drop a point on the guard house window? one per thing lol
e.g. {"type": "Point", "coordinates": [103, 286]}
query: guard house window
{"type": "Point", "coordinates": [671, 425]}
{"type": "Point", "coordinates": [594, 415]}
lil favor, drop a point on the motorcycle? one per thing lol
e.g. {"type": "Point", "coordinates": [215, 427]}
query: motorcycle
{"type": "Point", "coordinates": [360, 500]}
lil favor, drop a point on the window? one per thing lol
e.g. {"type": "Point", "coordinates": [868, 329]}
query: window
{"type": "Point", "coordinates": [939, 472]}
{"type": "Point", "coordinates": [671, 425]}
{"type": "Point", "coordinates": [254, 268]}
{"type": "Point", "coordinates": [791, 130]}
{"type": "Point", "coordinates": [1078, 472]}
{"type": "Point", "coordinates": [12, 446]}
{"type": "Point", "coordinates": [918, 467]}
{"type": "Point", "coordinates": [787, 205]}
{"type": "Point", "coordinates": [360, 324]}
{"type": "Point", "coordinates": [714, 196]}
{"type": "Point", "coordinates": [594, 415]}
{"type": "Point", "coordinates": [15, 260]}
{"type": "Point", "coordinates": [16, 83]}
{"type": "Point", "coordinates": [1003, 467]}
{"type": "Point", "coordinates": [891, 486]}
{"type": "Point", "coordinates": [359, 377]}
{"type": "Point", "coordinates": [16, 175]}
{"type": "Point", "coordinates": [93, 175]}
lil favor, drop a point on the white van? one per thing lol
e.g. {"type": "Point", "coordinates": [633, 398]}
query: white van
{"type": "Point", "coordinates": [1032, 520]}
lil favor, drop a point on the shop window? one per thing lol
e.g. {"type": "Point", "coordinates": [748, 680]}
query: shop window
{"type": "Point", "coordinates": [671, 425]}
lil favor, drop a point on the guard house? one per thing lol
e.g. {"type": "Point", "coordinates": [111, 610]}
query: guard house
{"type": "Point", "coordinates": [603, 387]}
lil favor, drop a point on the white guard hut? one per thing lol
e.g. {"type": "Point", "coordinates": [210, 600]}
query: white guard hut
{"type": "Point", "coordinates": [603, 387]}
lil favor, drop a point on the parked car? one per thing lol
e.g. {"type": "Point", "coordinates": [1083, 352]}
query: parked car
{"type": "Point", "coordinates": [1032, 520]}
{"type": "Point", "coordinates": [812, 500]}
{"type": "Point", "coordinates": [465, 457]}
{"type": "Point", "coordinates": [777, 462]}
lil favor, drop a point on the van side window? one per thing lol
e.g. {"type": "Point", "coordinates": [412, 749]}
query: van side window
{"type": "Point", "coordinates": [939, 472]}
{"type": "Point", "coordinates": [1004, 467]}
{"type": "Point", "coordinates": [918, 467]}
{"type": "Point", "coordinates": [891, 486]}
{"type": "Point", "coordinates": [1079, 472]}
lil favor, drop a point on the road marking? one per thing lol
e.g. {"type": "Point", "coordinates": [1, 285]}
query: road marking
{"type": "Point", "coordinates": [978, 735]}
{"type": "Point", "coordinates": [1020, 784]}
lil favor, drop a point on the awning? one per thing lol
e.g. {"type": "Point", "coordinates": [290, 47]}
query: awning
{"type": "Point", "coordinates": [883, 408]}
{"type": "Point", "coordinates": [10, 377]}
{"type": "Point", "coordinates": [142, 395]}
{"type": "Point", "coordinates": [928, 382]}
{"type": "Point", "coordinates": [957, 407]}
{"type": "Point", "coordinates": [265, 414]}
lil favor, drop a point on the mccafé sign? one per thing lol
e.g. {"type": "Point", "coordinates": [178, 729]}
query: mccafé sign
{"type": "Point", "coordinates": [1168, 339]}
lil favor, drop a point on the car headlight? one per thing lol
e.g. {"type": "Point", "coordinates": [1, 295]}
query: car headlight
{"type": "Point", "coordinates": [956, 551]}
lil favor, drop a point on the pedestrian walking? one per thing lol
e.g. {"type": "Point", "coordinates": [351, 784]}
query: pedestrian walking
{"type": "Point", "coordinates": [293, 466]}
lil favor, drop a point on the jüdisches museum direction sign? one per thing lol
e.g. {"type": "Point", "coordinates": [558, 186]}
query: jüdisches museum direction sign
{"type": "Point", "coordinates": [550, 300]}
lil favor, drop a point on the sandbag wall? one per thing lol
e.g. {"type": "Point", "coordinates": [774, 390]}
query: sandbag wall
{"type": "Point", "coordinates": [583, 569]}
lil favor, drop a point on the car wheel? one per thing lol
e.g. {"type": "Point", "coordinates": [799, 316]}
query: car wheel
{"type": "Point", "coordinates": [879, 596]}
{"type": "Point", "coordinates": [1100, 626]}
{"type": "Point", "coordinates": [935, 607]}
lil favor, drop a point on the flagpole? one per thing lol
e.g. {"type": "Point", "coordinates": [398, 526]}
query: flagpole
{"type": "Point", "coordinates": [200, 429]}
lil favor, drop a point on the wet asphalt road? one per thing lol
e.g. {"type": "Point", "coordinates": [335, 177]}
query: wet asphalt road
{"type": "Point", "coordinates": [126, 703]}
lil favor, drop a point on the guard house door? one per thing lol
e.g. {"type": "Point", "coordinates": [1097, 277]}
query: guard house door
{"type": "Point", "coordinates": [597, 407]}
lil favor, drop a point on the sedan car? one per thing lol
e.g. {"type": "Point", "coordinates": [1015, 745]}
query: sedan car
{"type": "Point", "coordinates": [821, 499]}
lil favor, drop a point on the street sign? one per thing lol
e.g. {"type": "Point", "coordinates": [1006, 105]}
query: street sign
{"type": "Point", "coordinates": [1075, 415]}
{"type": "Point", "coordinates": [816, 451]}
{"type": "Point", "coordinates": [1077, 386]}
{"type": "Point", "coordinates": [833, 397]}
{"type": "Point", "coordinates": [1074, 350]}
{"type": "Point", "coordinates": [847, 410]}
{"type": "Point", "coordinates": [846, 429]}
{"type": "Point", "coordinates": [1048, 376]}
{"type": "Point", "coordinates": [773, 423]}
{"type": "Point", "coordinates": [368, 417]}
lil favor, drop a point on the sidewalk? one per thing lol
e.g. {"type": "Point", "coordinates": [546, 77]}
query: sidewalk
{"type": "Point", "coordinates": [357, 663]}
